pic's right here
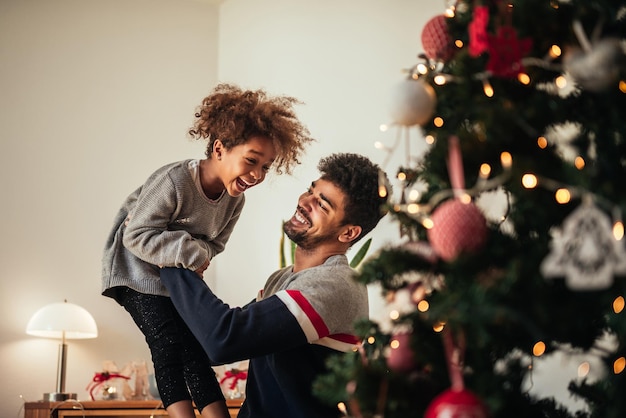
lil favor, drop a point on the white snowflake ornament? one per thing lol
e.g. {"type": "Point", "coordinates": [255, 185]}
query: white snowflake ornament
{"type": "Point", "coordinates": [585, 251]}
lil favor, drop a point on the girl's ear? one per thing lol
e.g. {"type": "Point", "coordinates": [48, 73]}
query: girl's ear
{"type": "Point", "coordinates": [350, 233]}
{"type": "Point", "coordinates": [218, 149]}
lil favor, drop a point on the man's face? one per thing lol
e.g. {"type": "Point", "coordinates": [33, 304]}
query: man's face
{"type": "Point", "coordinates": [318, 217]}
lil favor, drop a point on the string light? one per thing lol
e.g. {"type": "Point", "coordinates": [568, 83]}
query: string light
{"type": "Point", "coordinates": [539, 348]}
{"type": "Point", "coordinates": [561, 82]}
{"type": "Point", "coordinates": [563, 196]}
{"type": "Point", "coordinates": [458, 43]}
{"type": "Point", "coordinates": [394, 344]}
{"type": "Point", "coordinates": [555, 51]}
{"type": "Point", "coordinates": [423, 306]}
{"type": "Point", "coordinates": [529, 181]}
{"type": "Point", "coordinates": [579, 162]}
{"type": "Point", "coordinates": [618, 304]}
{"type": "Point", "coordinates": [542, 142]}
{"type": "Point", "coordinates": [487, 88]}
{"type": "Point", "coordinates": [618, 230]}
{"type": "Point", "coordinates": [439, 326]}
{"type": "Point", "coordinates": [622, 86]}
{"type": "Point", "coordinates": [618, 365]}
{"type": "Point", "coordinates": [583, 369]}
{"type": "Point", "coordinates": [438, 121]}
{"type": "Point", "coordinates": [440, 79]}
{"type": "Point", "coordinates": [523, 78]}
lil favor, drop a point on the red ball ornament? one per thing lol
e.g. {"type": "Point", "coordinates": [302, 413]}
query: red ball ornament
{"type": "Point", "coordinates": [457, 228]}
{"type": "Point", "coordinates": [436, 39]}
{"type": "Point", "coordinates": [456, 404]}
{"type": "Point", "coordinates": [401, 357]}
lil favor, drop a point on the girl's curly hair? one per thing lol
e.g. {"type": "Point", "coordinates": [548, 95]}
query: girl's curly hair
{"type": "Point", "coordinates": [233, 115]}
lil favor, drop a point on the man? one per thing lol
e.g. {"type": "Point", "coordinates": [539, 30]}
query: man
{"type": "Point", "coordinates": [306, 311]}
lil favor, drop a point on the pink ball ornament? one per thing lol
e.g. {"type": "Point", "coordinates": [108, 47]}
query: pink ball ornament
{"type": "Point", "coordinates": [436, 39]}
{"type": "Point", "coordinates": [453, 403]}
{"type": "Point", "coordinates": [457, 228]}
{"type": "Point", "coordinates": [401, 357]}
{"type": "Point", "coordinates": [413, 103]}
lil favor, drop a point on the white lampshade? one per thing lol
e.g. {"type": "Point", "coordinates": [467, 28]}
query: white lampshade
{"type": "Point", "coordinates": [64, 321]}
{"type": "Point", "coordinates": [56, 319]}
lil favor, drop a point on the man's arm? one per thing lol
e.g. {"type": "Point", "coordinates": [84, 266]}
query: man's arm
{"type": "Point", "coordinates": [231, 334]}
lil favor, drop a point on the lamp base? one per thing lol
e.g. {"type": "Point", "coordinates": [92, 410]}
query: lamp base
{"type": "Point", "coordinates": [58, 396]}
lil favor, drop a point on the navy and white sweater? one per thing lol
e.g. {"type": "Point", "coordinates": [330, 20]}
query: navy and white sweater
{"type": "Point", "coordinates": [298, 320]}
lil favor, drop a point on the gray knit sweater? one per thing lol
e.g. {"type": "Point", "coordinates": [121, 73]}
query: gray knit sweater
{"type": "Point", "coordinates": [171, 224]}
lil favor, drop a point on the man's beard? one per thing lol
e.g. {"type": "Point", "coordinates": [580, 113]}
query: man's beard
{"type": "Point", "coordinates": [302, 239]}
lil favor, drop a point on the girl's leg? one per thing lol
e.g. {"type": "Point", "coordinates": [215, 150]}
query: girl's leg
{"type": "Point", "coordinates": [200, 376]}
{"type": "Point", "coordinates": [181, 409]}
{"type": "Point", "coordinates": [157, 319]}
{"type": "Point", "coordinates": [217, 409]}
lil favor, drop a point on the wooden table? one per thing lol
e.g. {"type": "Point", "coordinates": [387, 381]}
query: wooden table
{"type": "Point", "coordinates": [108, 409]}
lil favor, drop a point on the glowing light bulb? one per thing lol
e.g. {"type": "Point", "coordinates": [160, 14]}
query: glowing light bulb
{"type": "Point", "coordinates": [394, 314]}
{"type": "Point", "coordinates": [371, 340]}
{"type": "Point", "coordinates": [618, 230]}
{"type": "Point", "coordinates": [506, 159]}
{"type": "Point", "coordinates": [618, 365]}
{"type": "Point", "coordinates": [422, 69]}
{"type": "Point", "coordinates": [394, 344]}
{"type": "Point", "coordinates": [555, 51]}
{"type": "Point", "coordinates": [423, 306]}
{"type": "Point", "coordinates": [618, 304]}
{"type": "Point", "coordinates": [523, 78]}
{"type": "Point", "coordinates": [579, 162]}
{"type": "Point", "coordinates": [485, 170]}
{"type": "Point", "coordinates": [438, 121]}
{"type": "Point", "coordinates": [458, 43]}
{"type": "Point", "coordinates": [539, 349]}
{"type": "Point", "coordinates": [488, 88]}
{"type": "Point", "coordinates": [529, 181]}
{"type": "Point", "coordinates": [562, 196]}
{"type": "Point", "coordinates": [439, 326]}
{"type": "Point", "coordinates": [439, 80]}
{"type": "Point", "coordinates": [413, 208]}
{"type": "Point", "coordinates": [428, 223]}
{"type": "Point", "coordinates": [561, 82]}
{"type": "Point", "coordinates": [542, 142]}
{"type": "Point", "coordinates": [401, 176]}
{"type": "Point", "coordinates": [583, 369]}
{"type": "Point", "coordinates": [429, 139]}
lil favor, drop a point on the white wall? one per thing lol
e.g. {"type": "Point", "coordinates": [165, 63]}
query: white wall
{"type": "Point", "coordinates": [95, 95]}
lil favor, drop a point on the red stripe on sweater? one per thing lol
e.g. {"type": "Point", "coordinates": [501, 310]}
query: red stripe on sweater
{"type": "Point", "coordinates": [310, 312]}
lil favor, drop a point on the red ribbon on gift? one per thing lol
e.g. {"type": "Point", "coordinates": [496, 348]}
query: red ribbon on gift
{"type": "Point", "coordinates": [99, 379]}
{"type": "Point", "coordinates": [236, 375]}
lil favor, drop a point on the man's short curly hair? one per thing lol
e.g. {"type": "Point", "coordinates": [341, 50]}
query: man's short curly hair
{"type": "Point", "coordinates": [359, 179]}
{"type": "Point", "coordinates": [233, 115]}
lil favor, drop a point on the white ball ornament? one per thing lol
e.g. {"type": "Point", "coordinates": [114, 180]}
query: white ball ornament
{"type": "Point", "coordinates": [596, 69]}
{"type": "Point", "coordinates": [413, 103]}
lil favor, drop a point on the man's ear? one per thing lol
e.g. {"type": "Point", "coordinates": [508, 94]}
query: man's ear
{"type": "Point", "coordinates": [350, 233]}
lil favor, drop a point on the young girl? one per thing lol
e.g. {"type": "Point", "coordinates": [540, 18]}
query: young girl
{"type": "Point", "coordinates": [182, 216]}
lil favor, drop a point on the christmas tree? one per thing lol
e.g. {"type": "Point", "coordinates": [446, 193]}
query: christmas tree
{"type": "Point", "coordinates": [512, 243]}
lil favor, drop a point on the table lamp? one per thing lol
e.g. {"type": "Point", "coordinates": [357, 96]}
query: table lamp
{"type": "Point", "coordinates": [65, 321]}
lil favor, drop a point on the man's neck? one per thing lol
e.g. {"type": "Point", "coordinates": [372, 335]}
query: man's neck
{"type": "Point", "coordinates": [305, 259]}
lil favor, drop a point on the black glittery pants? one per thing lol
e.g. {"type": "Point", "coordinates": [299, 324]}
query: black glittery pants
{"type": "Point", "coordinates": [181, 366]}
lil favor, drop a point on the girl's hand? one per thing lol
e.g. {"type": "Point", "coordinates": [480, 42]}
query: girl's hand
{"type": "Point", "coordinates": [202, 268]}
